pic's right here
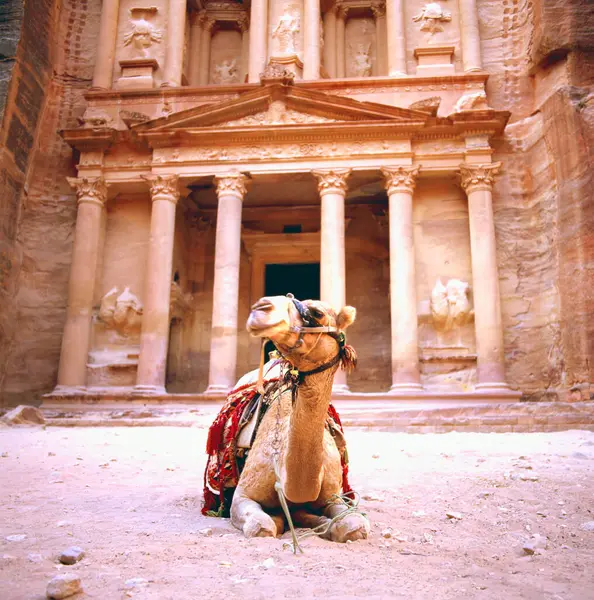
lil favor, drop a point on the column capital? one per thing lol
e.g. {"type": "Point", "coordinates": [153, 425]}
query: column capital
{"type": "Point", "coordinates": [207, 23]}
{"type": "Point", "coordinates": [400, 178]}
{"type": "Point", "coordinates": [243, 22]}
{"type": "Point", "coordinates": [478, 177]}
{"type": "Point", "coordinates": [231, 184]}
{"type": "Point", "coordinates": [332, 181]}
{"type": "Point", "coordinates": [163, 187]}
{"type": "Point", "coordinates": [92, 190]}
{"type": "Point", "coordinates": [378, 8]}
{"type": "Point", "coordinates": [341, 10]}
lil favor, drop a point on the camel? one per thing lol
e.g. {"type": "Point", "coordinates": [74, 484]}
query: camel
{"type": "Point", "coordinates": [307, 334]}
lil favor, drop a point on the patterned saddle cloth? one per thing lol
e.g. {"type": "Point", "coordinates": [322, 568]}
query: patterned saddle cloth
{"type": "Point", "coordinates": [243, 410]}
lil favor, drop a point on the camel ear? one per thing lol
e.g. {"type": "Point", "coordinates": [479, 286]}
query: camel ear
{"type": "Point", "coordinates": [346, 317]}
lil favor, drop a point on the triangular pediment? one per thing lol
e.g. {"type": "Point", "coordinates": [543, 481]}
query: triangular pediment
{"type": "Point", "coordinates": [276, 105]}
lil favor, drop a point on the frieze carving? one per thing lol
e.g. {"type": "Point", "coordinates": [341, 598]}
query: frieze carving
{"type": "Point", "coordinates": [231, 184]}
{"type": "Point", "coordinates": [432, 17]}
{"type": "Point", "coordinates": [475, 101]}
{"type": "Point", "coordinates": [226, 72]}
{"type": "Point", "coordinates": [275, 71]}
{"type": "Point", "coordinates": [283, 151]}
{"type": "Point", "coordinates": [94, 118]}
{"type": "Point", "coordinates": [143, 32]}
{"type": "Point", "coordinates": [450, 307]}
{"type": "Point", "coordinates": [332, 181]}
{"type": "Point", "coordinates": [430, 105]}
{"type": "Point", "coordinates": [286, 30]}
{"type": "Point", "coordinates": [473, 177]}
{"type": "Point", "coordinates": [131, 117]}
{"type": "Point", "coordinates": [121, 312]}
{"type": "Point", "coordinates": [400, 178]}
{"type": "Point", "coordinates": [163, 187]}
{"type": "Point", "coordinates": [89, 189]}
{"type": "Point", "coordinates": [277, 114]}
{"type": "Point", "coordinates": [361, 57]}
{"type": "Point", "coordinates": [91, 159]}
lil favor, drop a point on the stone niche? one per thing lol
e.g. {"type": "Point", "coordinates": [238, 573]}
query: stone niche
{"type": "Point", "coordinates": [225, 56]}
{"type": "Point", "coordinates": [141, 44]}
{"type": "Point", "coordinates": [360, 44]}
{"type": "Point", "coordinates": [445, 304]}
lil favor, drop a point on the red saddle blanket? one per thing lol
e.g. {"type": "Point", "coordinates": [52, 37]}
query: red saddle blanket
{"type": "Point", "coordinates": [225, 460]}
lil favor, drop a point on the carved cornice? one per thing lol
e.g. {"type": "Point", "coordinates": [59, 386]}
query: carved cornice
{"type": "Point", "coordinates": [163, 187]}
{"type": "Point", "coordinates": [231, 184]}
{"type": "Point", "coordinates": [91, 190]}
{"type": "Point", "coordinates": [400, 178]}
{"type": "Point", "coordinates": [332, 181]}
{"type": "Point", "coordinates": [478, 177]}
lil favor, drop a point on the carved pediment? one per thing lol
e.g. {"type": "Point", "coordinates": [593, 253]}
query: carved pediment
{"type": "Point", "coordinates": [277, 105]}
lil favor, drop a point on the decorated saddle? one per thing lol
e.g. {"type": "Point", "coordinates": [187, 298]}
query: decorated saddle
{"type": "Point", "coordinates": [231, 435]}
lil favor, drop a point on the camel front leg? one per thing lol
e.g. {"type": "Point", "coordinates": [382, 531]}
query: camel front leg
{"type": "Point", "coordinates": [248, 515]}
{"type": "Point", "coordinates": [303, 518]}
{"type": "Point", "coordinates": [351, 527]}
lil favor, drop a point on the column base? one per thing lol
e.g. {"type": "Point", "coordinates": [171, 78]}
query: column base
{"type": "Point", "coordinates": [406, 388]}
{"type": "Point", "coordinates": [149, 389]}
{"type": "Point", "coordinates": [65, 390]}
{"type": "Point", "coordinates": [340, 389]}
{"type": "Point", "coordinates": [492, 386]}
{"type": "Point", "coordinates": [217, 390]}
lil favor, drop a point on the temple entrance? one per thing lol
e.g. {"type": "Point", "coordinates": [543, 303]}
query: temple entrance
{"type": "Point", "coordinates": [300, 279]}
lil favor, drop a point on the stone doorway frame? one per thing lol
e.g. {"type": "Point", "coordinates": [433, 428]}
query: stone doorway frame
{"type": "Point", "coordinates": [277, 248]}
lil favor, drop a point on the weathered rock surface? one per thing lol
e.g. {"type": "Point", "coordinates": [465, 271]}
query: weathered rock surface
{"type": "Point", "coordinates": [72, 555]}
{"type": "Point", "coordinates": [24, 415]}
{"type": "Point", "coordinates": [63, 586]}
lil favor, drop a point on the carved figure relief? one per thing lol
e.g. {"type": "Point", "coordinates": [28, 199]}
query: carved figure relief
{"type": "Point", "coordinates": [226, 72]}
{"type": "Point", "coordinates": [475, 101]}
{"type": "Point", "coordinates": [121, 312]}
{"type": "Point", "coordinates": [450, 307]}
{"type": "Point", "coordinates": [143, 32]}
{"type": "Point", "coordinates": [432, 17]}
{"type": "Point", "coordinates": [361, 59]}
{"type": "Point", "coordinates": [277, 114]}
{"type": "Point", "coordinates": [286, 30]}
{"type": "Point", "coordinates": [94, 118]}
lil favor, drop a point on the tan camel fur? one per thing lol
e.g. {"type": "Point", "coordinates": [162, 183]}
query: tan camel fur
{"type": "Point", "coordinates": [309, 461]}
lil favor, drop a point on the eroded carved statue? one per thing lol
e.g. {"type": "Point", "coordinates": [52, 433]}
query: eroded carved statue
{"type": "Point", "coordinates": [450, 307]}
{"type": "Point", "coordinates": [94, 118]}
{"type": "Point", "coordinates": [361, 57]}
{"type": "Point", "coordinates": [226, 72]}
{"type": "Point", "coordinates": [432, 17]}
{"type": "Point", "coordinates": [474, 101]}
{"type": "Point", "coordinates": [121, 312]}
{"type": "Point", "coordinates": [286, 30]}
{"type": "Point", "coordinates": [143, 33]}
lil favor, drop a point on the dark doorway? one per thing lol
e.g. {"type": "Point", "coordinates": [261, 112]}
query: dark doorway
{"type": "Point", "coordinates": [300, 279]}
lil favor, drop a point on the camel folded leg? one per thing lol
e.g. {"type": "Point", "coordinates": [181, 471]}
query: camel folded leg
{"type": "Point", "coordinates": [303, 518]}
{"type": "Point", "coordinates": [249, 516]}
{"type": "Point", "coordinates": [351, 527]}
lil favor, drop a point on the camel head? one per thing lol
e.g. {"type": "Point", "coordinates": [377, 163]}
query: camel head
{"type": "Point", "coordinates": [286, 322]}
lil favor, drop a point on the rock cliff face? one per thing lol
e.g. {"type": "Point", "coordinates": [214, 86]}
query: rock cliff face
{"type": "Point", "coordinates": [539, 54]}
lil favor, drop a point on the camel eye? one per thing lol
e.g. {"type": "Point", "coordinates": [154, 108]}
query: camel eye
{"type": "Point", "coordinates": [316, 313]}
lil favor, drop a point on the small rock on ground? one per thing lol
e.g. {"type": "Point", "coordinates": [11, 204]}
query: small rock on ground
{"type": "Point", "coordinates": [72, 555]}
{"type": "Point", "coordinates": [536, 543]}
{"type": "Point", "coordinates": [24, 415]}
{"type": "Point", "coordinates": [587, 526]}
{"type": "Point", "coordinates": [63, 586]}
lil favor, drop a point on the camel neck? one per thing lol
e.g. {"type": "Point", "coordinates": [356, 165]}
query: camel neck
{"type": "Point", "coordinates": [304, 457]}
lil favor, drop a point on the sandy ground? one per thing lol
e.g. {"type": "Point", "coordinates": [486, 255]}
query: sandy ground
{"type": "Point", "coordinates": [131, 498]}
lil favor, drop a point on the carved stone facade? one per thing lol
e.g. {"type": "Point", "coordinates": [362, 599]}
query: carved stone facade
{"type": "Point", "coordinates": [220, 138]}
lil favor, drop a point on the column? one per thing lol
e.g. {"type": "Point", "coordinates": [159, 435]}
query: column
{"type": "Point", "coordinates": [195, 47]}
{"type": "Point", "coordinates": [231, 190]}
{"type": "Point", "coordinates": [245, 48]}
{"type": "Point", "coordinates": [206, 38]}
{"type": "Point", "coordinates": [258, 39]}
{"type": "Point", "coordinates": [470, 36]}
{"type": "Point", "coordinates": [379, 12]}
{"type": "Point", "coordinates": [400, 184]}
{"type": "Point", "coordinates": [311, 39]}
{"type": "Point", "coordinates": [91, 195]}
{"type": "Point", "coordinates": [154, 336]}
{"type": "Point", "coordinates": [106, 45]}
{"type": "Point", "coordinates": [330, 42]}
{"type": "Point", "coordinates": [396, 34]}
{"type": "Point", "coordinates": [176, 38]}
{"type": "Point", "coordinates": [341, 14]}
{"type": "Point", "coordinates": [332, 186]}
{"type": "Point", "coordinates": [477, 181]}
